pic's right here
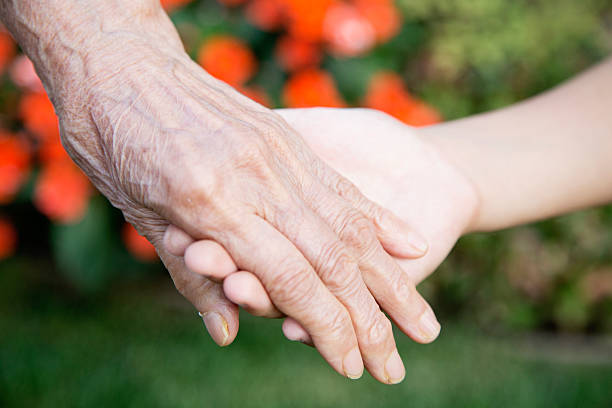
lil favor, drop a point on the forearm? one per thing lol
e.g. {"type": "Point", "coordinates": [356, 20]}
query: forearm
{"type": "Point", "coordinates": [547, 156]}
{"type": "Point", "coordinates": [62, 37]}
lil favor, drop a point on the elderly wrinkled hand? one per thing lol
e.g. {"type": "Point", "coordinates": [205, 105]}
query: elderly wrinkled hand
{"type": "Point", "coordinates": [167, 143]}
{"type": "Point", "coordinates": [400, 169]}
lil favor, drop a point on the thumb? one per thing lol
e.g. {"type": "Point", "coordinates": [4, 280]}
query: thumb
{"type": "Point", "coordinates": [220, 316]}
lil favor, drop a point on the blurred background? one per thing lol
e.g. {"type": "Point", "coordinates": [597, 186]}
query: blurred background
{"type": "Point", "coordinates": [89, 317]}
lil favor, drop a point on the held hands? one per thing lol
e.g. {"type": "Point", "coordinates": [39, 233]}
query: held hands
{"type": "Point", "coordinates": [168, 144]}
{"type": "Point", "coordinates": [394, 166]}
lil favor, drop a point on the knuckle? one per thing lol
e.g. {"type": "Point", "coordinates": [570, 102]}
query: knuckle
{"type": "Point", "coordinates": [378, 215]}
{"type": "Point", "coordinates": [244, 150]}
{"type": "Point", "coordinates": [405, 293]}
{"type": "Point", "coordinates": [346, 189]}
{"type": "Point", "coordinates": [251, 155]}
{"type": "Point", "coordinates": [285, 211]}
{"type": "Point", "coordinates": [358, 233]}
{"type": "Point", "coordinates": [378, 331]}
{"type": "Point", "coordinates": [337, 325]}
{"type": "Point", "coordinates": [248, 150]}
{"type": "Point", "coordinates": [197, 186]}
{"type": "Point", "coordinates": [404, 290]}
{"type": "Point", "coordinates": [293, 284]}
{"type": "Point", "coordinates": [350, 224]}
{"type": "Point", "coordinates": [335, 267]}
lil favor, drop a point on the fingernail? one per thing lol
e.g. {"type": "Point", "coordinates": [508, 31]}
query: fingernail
{"type": "Point", "coordinates": [429, 326]}
{"type": "Point", "coordinates": [394, 368]}
{"type": "Point", "coordinates": [217, 327]}
{"type": "Point", "coordinates": [353, 365]}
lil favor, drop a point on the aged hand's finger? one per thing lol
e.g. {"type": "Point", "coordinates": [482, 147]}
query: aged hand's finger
{"type": "Point", "coordinates": [393, 233]}
{"type": "Point", "coordinates": [176, 241]}
{"type": "Point", "coordinates": [244, 289]}
{"type": "Point", "coordinates": [220, 315]}
{"type": "Point", "coordinates": [340, 273]}
{"type": "Point", "coordinates": [297, 291]}
{"type": "Point", "coordinates": [383, 277]}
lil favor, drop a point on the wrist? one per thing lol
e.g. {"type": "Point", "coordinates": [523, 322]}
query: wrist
{"type": "Point", "coordinates": [463, 188]}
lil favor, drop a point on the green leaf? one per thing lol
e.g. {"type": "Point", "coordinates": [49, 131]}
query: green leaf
{"type": "Point", "coordinates": [85, 251]}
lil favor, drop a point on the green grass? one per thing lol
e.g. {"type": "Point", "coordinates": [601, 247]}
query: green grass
{"type": "Point", "coordinates": [143, 347]}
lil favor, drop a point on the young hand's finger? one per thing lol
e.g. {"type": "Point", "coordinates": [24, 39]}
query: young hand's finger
{"type": "Point", "coordinates": [210, 259]}
{"type": "Point", "coordinates": [295, 332]}
{"type": "Point", "coordinates": [245, 289]}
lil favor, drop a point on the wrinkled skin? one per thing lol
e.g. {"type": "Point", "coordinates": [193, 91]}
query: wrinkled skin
{"type": "Point", "coordinates": [392, 164]}
{"type": "Point", "coordinates": [167, 143]}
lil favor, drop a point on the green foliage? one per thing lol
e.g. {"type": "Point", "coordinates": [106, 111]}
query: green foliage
{"type": "Point", "coordinates": [85, 251]}
{"type": "Point", "coordinates": [138, 349]}
{"type": "Point", "coordinates": [553, 274]}
{"type": "Point", "coordinates": [88, 253]}
{"type": "Point", "coordinates": [498, 51]}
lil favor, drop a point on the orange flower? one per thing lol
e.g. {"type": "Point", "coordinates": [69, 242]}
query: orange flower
{"type": "Point", "coordinates": [38, 115]}
{"type": "Point", "coordinates": [8, 48]}
{"type": "Point", "coordinates": [305, 18]}
{"type": "Point", "coordinates": [423, 115]}
{"type": "Point", "coordinates": [137, 245]}
{"type": "Point", "coordinates": [14, 165]}
{"type": "Point", "coordinates": [62, 192]}
{"type": "Point", "coordinates": [228, 59]}
{"type": "Point", "coordinates": [257, 94]}
{"type": "Point", "coordinates": [24, 76]}
{"type": "Point", "coordinates": [294, 54]}
{"type": "Point", "coordinates": [383, 15]}
{"type": "Point", "coordinates": [52, 151]}
{"type": "Point", "coordinates": [387, 93]}
{"type": "Point", "coordinates": [170, 5]}
{"type": "Point", "coordinates": [311, 87]}
{"type": "Point", "coordinates": [347, 31]}
{"type": "Point", "coordinates": [8, 239]}
{"type": "Point", "coordinates": [266, 15]}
